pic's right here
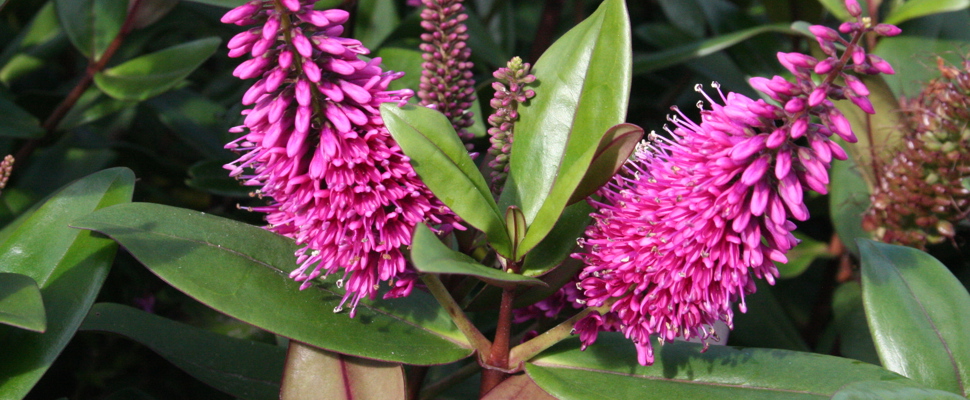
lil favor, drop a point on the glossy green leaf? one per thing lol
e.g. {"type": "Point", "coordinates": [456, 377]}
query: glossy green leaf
{"type": "Point", "coordinates": [644, 63]}
{"type": "Point", "coordinates": [20, 303]}
{"type": "Point", "coordinates": [518, 387]}
{"type": "Point", "coordinates": [582, 86]}
{"type": "Point", "coordinates": [17, 123]}
{"type": "Point", "coordinates": [442, 162]}
{"type": "Point", "coordinates": [879, 134]}
{"type": "Point", "coordinates": [376, 19]}
{"type": "Point", "coordinates": [210, 177]}
{"type": "Point", "coordinates": [242, 368]}
{"type": "Point", "coordinates": [855, 340]}
{"type": "Point", "coordinates": [313, 373]}
{"type": "Point", "coordinates": [614, 149]}
{"type": "Point", "coordinates": [68, 265]}
{"type": "Point", "coordinates": [801, 256]}
{"type": "Point", "coordinates": [91, 25]}
{"type": "Point", "coordinates": [92, 106]}
{"type": "Point", "coordinates": [153, 74]}
{"type": "Point", "coordinates": [194, 118]}
{"type": "Point", "coordinates": [431, 256]}
{"type": "Point", "coordinates": [609, 369]}
{"type": "Point", "coordinates": [848, 201]}
{"type": "Point", "coordinates": [41, 39]}
{"type": "Point", "coordinates": [560, 242]}
{"type": "Point", "coordinates": [919, 314]}
{"type": "Point", "coordinates": [873, 390]}
{"type": "Point", "coordinates": [919, 8]}
{"type": "Point", "coordinates": [240, 270]}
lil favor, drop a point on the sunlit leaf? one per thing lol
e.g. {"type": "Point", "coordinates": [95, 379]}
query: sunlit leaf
{"type": "Point", "coordinates": [431, 256]}
{"type": "Point", "coordinates": [583, 86]}
{"type": "Point", "coordinates": [68, 265]}
{"type": "Point", "coordinates": [918, 8]}
{"type": "Point", "coordinates": [919, 315]}
{"type": "Point", "coordinates": [873, 390]}
{"type": "Point", "coordinates": [153, 74]}
{"type": "Point", "coordinates": [609, 369]}
{"type": "Point", "coordinates": [442, 162]}
{"type": "Point", "coordinates": [241, 270]}
{"type": "Point", "coordinates": [242, 368]}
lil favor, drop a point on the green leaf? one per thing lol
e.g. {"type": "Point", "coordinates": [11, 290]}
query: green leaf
{"type": "Point", "coordinates": [872, 390]}
{"type": "Point", "coordinates": [609, 369]}
{"type": "Point", "coordinates": [911, 57]}
{"type": "Point", "coordinates": [919, 314]}
{"type": "Point", "coordinates": [515, 223]}
{"type": "Point", "coordinates": [242, 368]}
{"type": "Point", "coordinates": [614, 149]}
{"type": "Point", "coordinates": [17, 123]}
{"type": "Point", "coordinates": [801, 257]}
{"type": "Point", "coordinates": [855, 340]}
{"type": "Point", "coordinates": [431, 256]}
{"type": "Point", "coordinates": [518, 387]}
{"type": "Point", "coordinates": [879, 134]}
{"type": "Point", "coordinates": [153, 74]}
{"type": "Point", "coordinates": [919, 8]}
{"type": "Point", "coordinates": [560, 242]}
{"type": "Point", "coordinates": [68, 265]}
{"type": "Point", "coordinates": [848, 201]}
{"type": "Point", "coordinates": [582, 86]}
{"type": "Point", "coordinates": [441, 160]}
{"type": "Point", "coordinates": [376, 19]}
{"type": "Point", "coordinates": [20, 303]}
{"type": "Point", "coordinates": [195, 119]}
{"type": "Point", "coordinates": [765, 324]}
{"type": "Point", "coordinates": [651, 62]}
{"type": "Point", "coordinates": [837, 8]}
{"type": "Point", "coordinates": [240, 270]}
{"type": "Point", "coordinates": [91, 25]}
{"type": "Point", "coordinates": [209, 176]}
{"type": "Point", "coordinates": [313, 373]}
{"type": "Point", "coordinates": [41, 39]}
{"type": "Point", "coordinates": [92, 106]}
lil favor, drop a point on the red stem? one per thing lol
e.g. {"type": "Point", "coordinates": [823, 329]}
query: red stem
{"type": "Point", "coordinates": [498, 358]}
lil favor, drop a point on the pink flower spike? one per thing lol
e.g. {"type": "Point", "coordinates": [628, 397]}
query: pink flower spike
{"type": "Point", "coordinates": [242, 12]}
{"type": "Point", "coordinates": [841, 126]}
{"type": "Point", "coordinates": [292, 5]}
{"type": "Point", "coordinates": [856, 85]}
{"type": "Point", "coordinates": [824, 33]}
{"type": "Point", "coordinates": [863, 103]}
{"type": "Point", "coordinates": [825, 66]}
{"type": "Point", "coordinates": [881, 65]}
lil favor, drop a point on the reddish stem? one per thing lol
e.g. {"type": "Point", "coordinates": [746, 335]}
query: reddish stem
{"type": "Point", "coordinates": [498, 358]}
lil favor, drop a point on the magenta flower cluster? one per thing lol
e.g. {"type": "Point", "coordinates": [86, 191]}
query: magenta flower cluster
{"type": "Point", "coordinates": [510, 91]}
{"type": "Point", "coordinates": [314, 143]}
{"type": "Point", "coordinates": [680, 232]}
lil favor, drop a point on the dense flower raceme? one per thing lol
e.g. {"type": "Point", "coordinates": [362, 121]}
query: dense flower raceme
{"type": "Point", "coordinates": [510, 91]}
{"type": "Point", "coordinates": [314, 143]}
{"type": "Point", "coordinates": [680, 231]}
{"type": "Point", "coordinates": [446, 77]}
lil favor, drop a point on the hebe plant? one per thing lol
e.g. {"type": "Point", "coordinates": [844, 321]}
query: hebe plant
{"type": "Point", "coordinates": [404, 254]}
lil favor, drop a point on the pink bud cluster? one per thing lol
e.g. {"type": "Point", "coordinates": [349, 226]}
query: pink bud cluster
{"type": "Point", "coordinates": [446, 80]}
{"type": "Point", "coordinates": [314, 142]}
{"type": "Point", "coordinates": [680, 231]}
{"type": "Point", "coordinates": [510, 91]}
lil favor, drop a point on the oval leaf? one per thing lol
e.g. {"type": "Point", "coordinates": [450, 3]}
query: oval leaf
{"type": "Point", "coordinates": [582, 89]}
{"type": "Point", "coordinates": [920, 8]}
{"type": "Point", "coordinates": [616, 146]}
{"type": "Point", "coordinates": [560, 242]}
{"type": "Point", "coordinates": [240, 270]}
{"type": "Point", "coordinates": [17, 123]}
{"type": "Point", "coordinates": [872, 390]}
{"type": "Point", "coordinates": [20, 303]}
{"type": "Point", "coordinates": [68, 265]}
{"type": "Point", "coordinates": [441, 160]}
{"type": "Point", "coordinates": [313, 373]}
{"type": "Point", "coordinates": [919, 314]}
{"type": "Point", "coordinates": [91, 25]}
{"type": "Point", "coordinates": [431, 256]}
{"type": "Point", "coordinates": [518, 387]}
{"type": "Point", "coordinates": [153, 74]}
{"type": "Point", "coordinates": [651, 62]}
{"type": "Point", "coordinates": [609, 369]}
{"type": "Point", "coordinates": [242, 368]}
